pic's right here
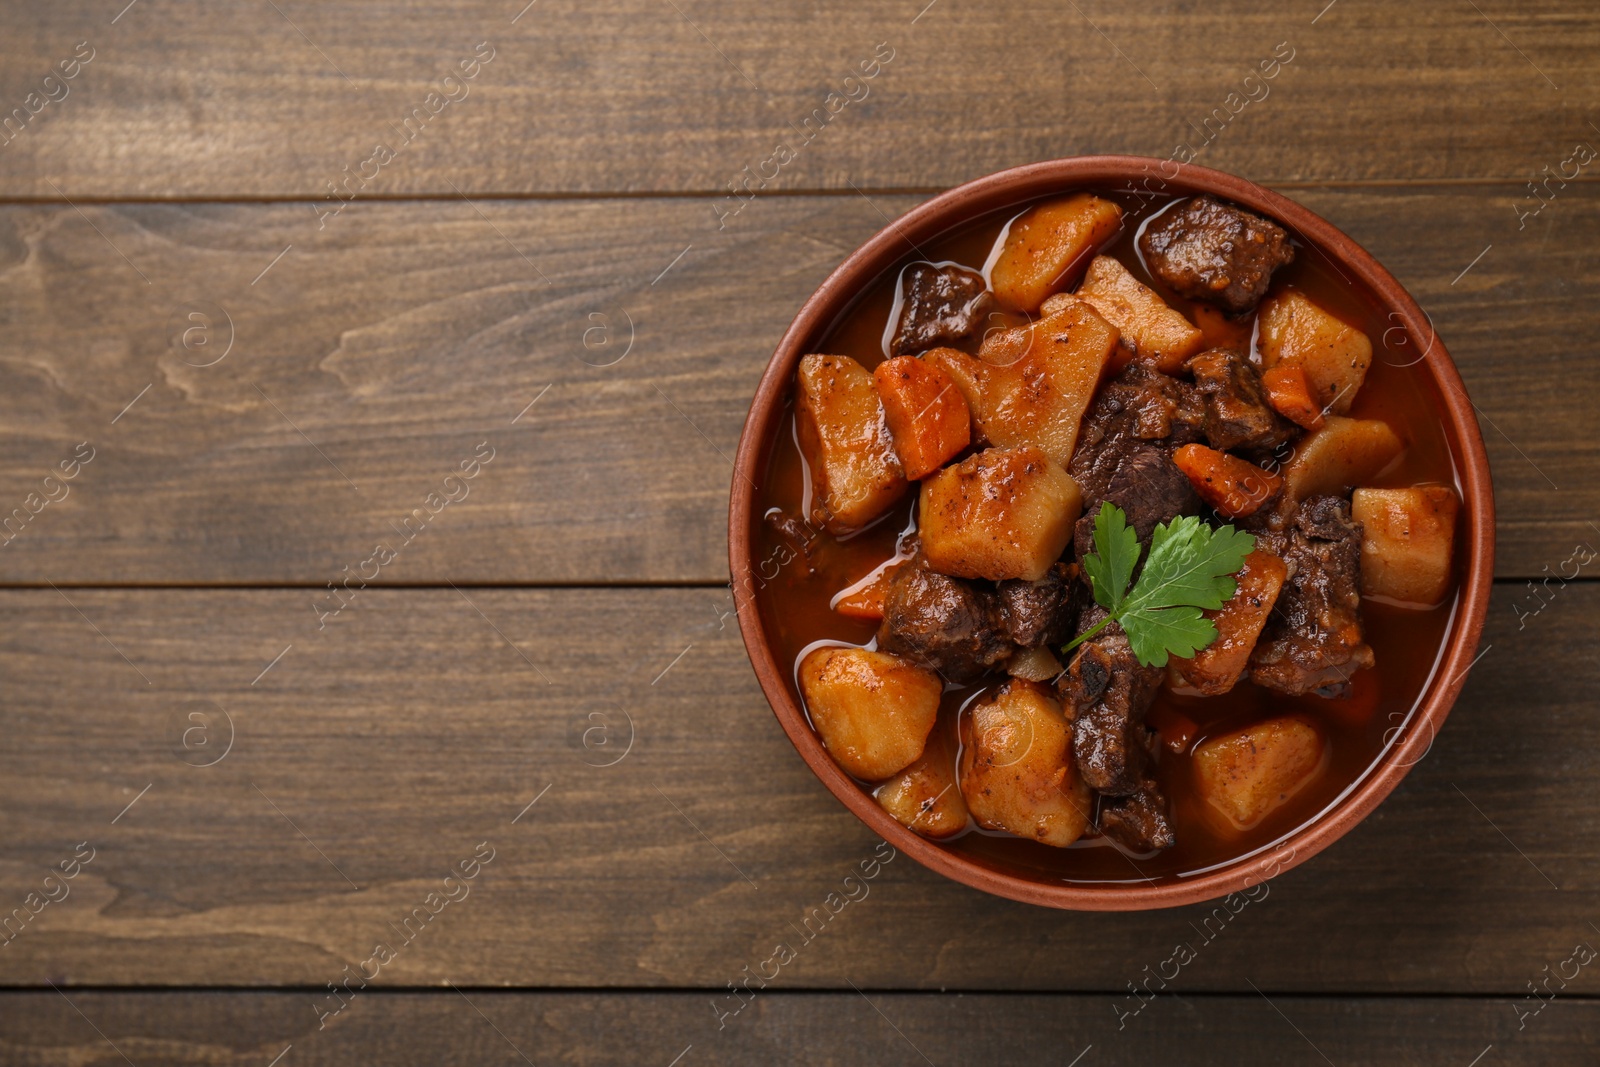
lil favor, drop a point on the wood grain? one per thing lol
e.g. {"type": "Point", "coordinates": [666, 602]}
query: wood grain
{"type": "Point", "coordinates": [370, 757]}
{"type": "Point", "coordinates": [380, 351]}
{"type": "Point", "coordinates": [240, 100]}
{"type": "Point", "coordinates": [42, 1029]}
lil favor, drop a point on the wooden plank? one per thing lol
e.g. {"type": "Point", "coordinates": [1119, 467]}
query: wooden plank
{"type": "Point", "coordinates": [242, 100]}
{"type": "Point", "coordinates": [44, 1029]}
{"type": "Point", "coordinates": [376, 355]}
{"type": "Point", "coordinates": [369, 758]}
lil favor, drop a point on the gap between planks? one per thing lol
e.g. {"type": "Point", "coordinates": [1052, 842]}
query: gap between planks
{"type": "Point", "coordinates": [704, 194]}
{"type": "Point", "coordinates": [666, 583]}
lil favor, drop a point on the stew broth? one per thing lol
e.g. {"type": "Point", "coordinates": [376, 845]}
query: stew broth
{"type": "Point", "coordinates": [798, 615]}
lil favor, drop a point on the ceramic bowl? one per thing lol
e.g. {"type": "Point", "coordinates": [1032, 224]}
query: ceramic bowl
{"type": "Point", "coordinates": [1475, 545]}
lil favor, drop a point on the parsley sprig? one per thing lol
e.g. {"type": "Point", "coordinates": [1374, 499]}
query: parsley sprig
{"type": "Point", "coordinates": [1190, 567]}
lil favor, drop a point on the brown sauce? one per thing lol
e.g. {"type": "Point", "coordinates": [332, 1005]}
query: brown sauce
{"type": "Point", "coordinates": [797, 613]}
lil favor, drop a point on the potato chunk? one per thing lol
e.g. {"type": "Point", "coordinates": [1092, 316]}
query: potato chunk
{"type": "Point", "coordinates": [1218, 667]}
{"type": "Point", "coordinates": [1344, 453]}
{"type": "Point", "coordinates": [1046, 245]}
{"type": "Point", "coordinates": [1334, 354]}
{"type": "Point", "coordinates": [1004, 513]}
{"type": "Point", "coordinates": [872, 710]}
{"type": "Point", "coordinates": [924, 796]}
{"type": "Point", "coordinates": [1158, 334]}
{"type": "Point", "coordinates": [855, 474]}
{"type": "Point", "coordinates": [1406, 542]}
{"type": "Point", "coordinates": [1033, 383]}
{"type": "Point", "coordinates": [1248, 773]}
{"type": "Point", "coordinates": [1017, 770]}
{"type": "Point", "coordinates": [928, 416]}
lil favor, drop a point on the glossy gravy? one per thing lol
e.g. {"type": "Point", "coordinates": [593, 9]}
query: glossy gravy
{"type": "Point", "coordinates": [797, 611]}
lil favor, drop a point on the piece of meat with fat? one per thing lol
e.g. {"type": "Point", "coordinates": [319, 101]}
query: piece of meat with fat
{"type": "Point", "coordinates": [1208, 250]}
{"type": "Point", "coordinates": [1138, 821]}
{"type": "Point", "coordinates": [1109, 692]}
{"type": "Point", "coordinates": [939, 305]}
{"type": "Point", "coordinates": [945, 624]}
{"type": "Point", "coordinates": [1042, 612]}
{"type": "Point", "coordinates": [1312, 642]}
{"type": "Point", "coordinates": [1238, 416]}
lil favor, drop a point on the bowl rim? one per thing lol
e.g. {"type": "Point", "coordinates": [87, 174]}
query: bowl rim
{"type": "Point", "coordinates": [1163, 177]}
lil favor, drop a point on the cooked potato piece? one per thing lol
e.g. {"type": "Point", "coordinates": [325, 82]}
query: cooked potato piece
{"type": "Point", "coordinates": [1407, 537]}
{"type": "Point", "coordinates": [1334, 355]}
{"type": "Point", "coordinates": [1017, 770]}
{"type": "Point", "coordinates": [872, 710]}
{"type": "Point", "coordinates": [1046, 245]}
{"type": "Point", "coordinates": [1218, 667]}
{"type": "Point", "coordinates": [1035, 664]}
{"type": "Point", "coordinates": [928, 416]}
{"type": "Point", "coordinates": [1004, 513]}
{"type": "Point", "coordinates": [924, 796]}
{"type": "Point", "coordinates": [1158, 334]}
{"type": "Point", "coordinates": [1344, 453]}
{"type": "Point", "coordinates": [1059, 303]}
{"type": "Point", "coordinates": [1246, 774]}
{"type": "Point", "coordinates": [855, 474]}
{"type": "Point", "coordinates": [1033, 383]}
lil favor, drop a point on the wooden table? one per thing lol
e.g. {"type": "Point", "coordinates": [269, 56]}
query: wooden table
{"type": "Point", "coordinates": [264, 345]}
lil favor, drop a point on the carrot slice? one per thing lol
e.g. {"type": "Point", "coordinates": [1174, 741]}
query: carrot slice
{"type": "Point", "coordinates": [1235, 487]}
{"type": "Point", "coordinates": [1218, 667]}
{"type": "Point", "coordinates": [1289, 393]}
{"type": "Point", "coordinates": [866, 602]}
{"type": "Point", "coordinates": [928, 416]}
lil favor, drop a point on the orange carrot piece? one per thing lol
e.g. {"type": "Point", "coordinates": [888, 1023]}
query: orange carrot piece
{"type": "Point", "coordinates": [1218, 667]}
{"type": "Point", "coordinates": [1175, 729]}
{"type": "Point", "coordinates": [1234, 486]}
{"type": "Point", "coordinates": [1289, 393]}
{"type": "Point", "coordinates": [866, 603]}
{"type": "Point", "coordinates": [928, 416]}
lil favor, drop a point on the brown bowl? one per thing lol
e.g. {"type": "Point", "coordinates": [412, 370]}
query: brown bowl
{"type": "Point", "coordinates": [1014, 187]}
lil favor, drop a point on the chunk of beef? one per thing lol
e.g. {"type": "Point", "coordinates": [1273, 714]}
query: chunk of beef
{"type": "Point", "coordinates": [1237, 413]}
{"type": "Point", "coordinates": [938, 305]}
{"type": "Point", "coordinates": [1312, 641]}
{"type": "Point", "coordinates": [1042, 612]}
{"type": "Point", "coordinates": [1109, 692]}
{"type": "Point", "coordinates": [1124, 451]}
{"type": "Point", "coordinates": [1138, 408]}
{"type": "Point", "coordinates": [1208, 250]}
{"type": "Point", "coordinates": [942, 623]}
{"type": "Point", "coordinates": [1139, 820]}
{"type": "Point", "coordinates": [797, 532]}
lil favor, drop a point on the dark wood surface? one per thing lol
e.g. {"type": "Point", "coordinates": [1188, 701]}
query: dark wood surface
{"type": "Point", "coordinates": [373, 358]}
{"type": "Point", "coordinates": [562, 238]}
{"type": "Point", "coordinates": [466, 1025]}
{"type": "Point", "coordinates": [376, 754]}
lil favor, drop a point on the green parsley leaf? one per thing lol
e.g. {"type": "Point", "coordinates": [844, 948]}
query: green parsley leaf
{"type": "Point", "coordinates": [1191, 566]}
{"type": "Point", "coordinates": [1117, 553]}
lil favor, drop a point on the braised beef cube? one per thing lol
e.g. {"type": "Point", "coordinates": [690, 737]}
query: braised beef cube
{"type": "Point", "coordinates": [1108, 692]}
{"type": "Point", "coordinates": [798, 533]}
{"type": "Point", "coordinates": [939, 305]}
{"type": "Point", "coordinates": [945, 624]}
{"type": "Point", "coordinates": [1138, 821]}
{"type": "Point", "coordinates": [1150, 490]}
{"type": "Point", "coordinates": [1237, 413]}
{"type": "Point", "coordinates": [1138, 408]}
{"type": "Point", "coordinates": [1208, 250]}
{"type": "Point", "coordinates": [1041, 612]}
{"type": "Point", "coordinates": [1312, 642]}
